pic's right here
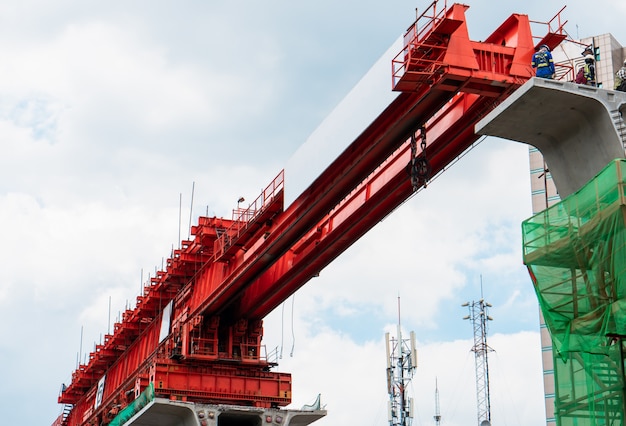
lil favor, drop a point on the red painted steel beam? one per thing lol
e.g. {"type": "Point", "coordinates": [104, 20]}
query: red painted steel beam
{"type": "Point", "coordinates": [387, 188]}
{"type": "Point", "coordinates": [230, 385]}
{"type": "Point", "coordinates": [376, 144]}
{"type": "Point", "coordinates": [352, 167]}
{"type": "Point", "coordinates": [462, 70]}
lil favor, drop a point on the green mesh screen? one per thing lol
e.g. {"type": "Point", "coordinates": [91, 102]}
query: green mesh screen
{"type": "Point", "coordinates": [575, 252]}
{"type": "Point", "coordinates": [134, 407]}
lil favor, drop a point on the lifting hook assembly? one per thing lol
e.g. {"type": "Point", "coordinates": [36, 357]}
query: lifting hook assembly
{"type": "Point", "coordinates": [418, 168]}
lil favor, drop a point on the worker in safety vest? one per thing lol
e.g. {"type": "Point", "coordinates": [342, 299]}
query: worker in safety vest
{"type": "Point", "coordinates": [543, 62]}
{"type": "Point", "coordinates": [620, 79]}
{"type": "Point", "coordinates": [589, 71]}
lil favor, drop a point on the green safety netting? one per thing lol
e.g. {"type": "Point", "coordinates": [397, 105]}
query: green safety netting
{"type": "Point", "coordinates": [133, 408]}
{"type": "Point", "coordinates": [575, 252]}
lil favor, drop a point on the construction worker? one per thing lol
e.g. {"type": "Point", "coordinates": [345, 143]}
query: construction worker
{"type": "Point", "coordinates": [589, 71]}
{"type": "Point", "coordinates": [620, 78]}
{"type": "Point", "coordinates": [543, 62]}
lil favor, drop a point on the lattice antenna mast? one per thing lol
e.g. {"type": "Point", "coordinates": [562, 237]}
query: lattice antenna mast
{"type": "Point", "coordinates": [479, 315]}
{"type": "Point", "coordinates": [437, 415]}
{"type": "Point", "coordinates": [401, 364]}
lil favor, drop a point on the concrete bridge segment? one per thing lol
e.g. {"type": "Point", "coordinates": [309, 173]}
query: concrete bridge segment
{"type": "Point", "coordinates": [164, 412]}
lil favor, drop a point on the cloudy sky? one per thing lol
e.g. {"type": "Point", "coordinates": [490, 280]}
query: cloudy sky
{"type": "Point", "coordinates": [110, 111]}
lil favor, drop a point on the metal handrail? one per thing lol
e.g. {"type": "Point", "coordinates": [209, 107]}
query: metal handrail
{"type": "Point", "coordinates": [243, 217]}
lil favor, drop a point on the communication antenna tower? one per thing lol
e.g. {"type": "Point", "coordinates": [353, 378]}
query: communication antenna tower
{"type": "Point", "coordinates": [401, 364]}
{"type": "Point", "coordinates": [437, 415]}
{"type": "Point", "coordinates": [479, 315]}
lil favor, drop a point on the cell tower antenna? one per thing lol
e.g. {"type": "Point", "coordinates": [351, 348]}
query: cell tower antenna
{"type": "Point", "coordinates": [437, 415]}
{"type": "Point", "coordinates": [401, 364]}
{"type": "Point", "coordinates": [479, 315]}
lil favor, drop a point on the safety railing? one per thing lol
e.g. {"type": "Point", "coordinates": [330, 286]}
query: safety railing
{"type": "Point", "coordinates": [203, 347]}
{"type": "Point", "coordinates": [553, 26]}
{"type": "Point", "coordinates": [425, 23]}
{"type": "Point", "coordinates": [565, 71]}
{"type": "Point", "coordinates": [243, 217]}
{"type": "Point", "coordinates": [414, 36]}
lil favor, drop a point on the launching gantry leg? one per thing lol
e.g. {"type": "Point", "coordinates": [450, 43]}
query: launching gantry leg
{"type": "Point", "coordinates": [578, 129]}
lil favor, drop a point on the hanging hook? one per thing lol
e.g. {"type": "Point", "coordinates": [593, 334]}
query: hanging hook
{"type": "Point", "coordinates": [418, 168]}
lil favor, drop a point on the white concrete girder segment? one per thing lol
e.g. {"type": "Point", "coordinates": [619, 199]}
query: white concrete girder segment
{"type": "Point", "coordinates": [578, 129]}
{"type": "Point", "coordinates": [165, 412]}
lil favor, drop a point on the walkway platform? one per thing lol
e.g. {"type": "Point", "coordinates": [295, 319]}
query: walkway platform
{"type": "Point", "coordinates": [578, 129]}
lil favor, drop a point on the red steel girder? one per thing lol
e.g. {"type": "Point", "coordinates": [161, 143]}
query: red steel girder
{"type": "Point", "coordinates": [382, 192]}
{"type": "Point", "coordinates": [228, 385]}
{"type": "Point", "coordinates": [392, 128]}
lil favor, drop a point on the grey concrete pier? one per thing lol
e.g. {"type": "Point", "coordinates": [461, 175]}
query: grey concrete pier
{"type": "Point", "coordinates": [578, 129]}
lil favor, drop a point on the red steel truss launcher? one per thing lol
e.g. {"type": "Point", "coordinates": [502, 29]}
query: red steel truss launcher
{"type": "Point", "coordinates": [195, 333]}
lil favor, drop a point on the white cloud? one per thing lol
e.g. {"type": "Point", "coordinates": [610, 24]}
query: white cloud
{"type": "Point", "coordinates": [351, 378]}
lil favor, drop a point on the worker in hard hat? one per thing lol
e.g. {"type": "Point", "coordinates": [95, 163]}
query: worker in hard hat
{"type": "Point", "coordinates": [620, 79]}
{"type": "Point", "coordinates": [588, 51]}
{"type": "Point", "coordinates": [543, 63]}
{"type": "Point", "coordinates": [589, 71]}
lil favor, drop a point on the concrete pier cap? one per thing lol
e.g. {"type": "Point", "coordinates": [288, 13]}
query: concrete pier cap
{"type": "Point", "coordinates": [578, 129]}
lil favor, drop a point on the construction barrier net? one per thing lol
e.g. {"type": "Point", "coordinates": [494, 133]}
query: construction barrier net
{"type": "Point", "coordinates": [575, 252]}
{"type": "Point", "coordinates": [134, 407]}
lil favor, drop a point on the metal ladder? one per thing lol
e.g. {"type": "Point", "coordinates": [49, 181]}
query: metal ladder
{"type": "Point", "coordinates": [620, 125]}
{"type": "Point", "coordinates": [67, 408]}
